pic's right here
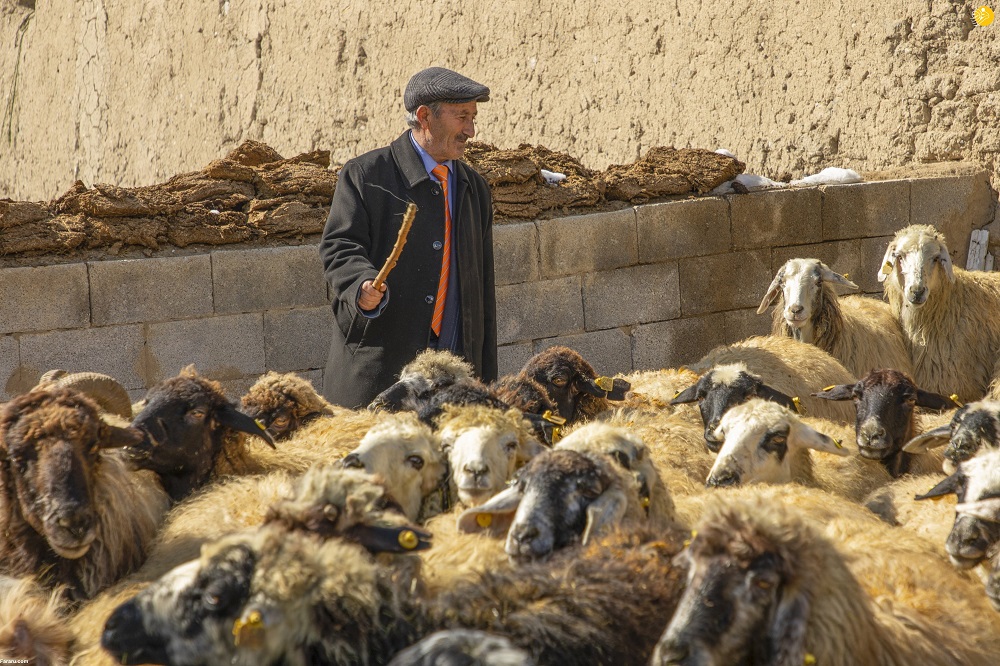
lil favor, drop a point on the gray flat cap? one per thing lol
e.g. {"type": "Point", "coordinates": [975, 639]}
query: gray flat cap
{"type": "Point", "coordinates": [437, 84]}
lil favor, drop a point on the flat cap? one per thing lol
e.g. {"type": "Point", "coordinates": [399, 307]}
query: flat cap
{"type": "Point", "coordinates": [437, 84]}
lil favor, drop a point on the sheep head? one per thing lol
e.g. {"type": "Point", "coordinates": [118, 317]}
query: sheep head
{"type": "Point", "coordinates": [431, 370]}
{"type": "Point", "coordinates": [49, 456]}
{"type": "Point", "coordinates": [571, 383]}
{"type": "Point", "coordinates": [803, 284]}
{"type": "Point", "coordinates": [975, 426]}
{"type": "Point", "coordinates": [763, 443]}
{"type": "Point", "coordinates": [917, 264]}
{"type": "Point", "coordinates": [188, 423]}
{"type": "Point", "coordinates": [722, 388]}
{"type": "Point", "coordinates": [885, 400]}
{"type": "Point", "coordinates": [283, 403]}
{"type": "Point", "coordinates": [976, 531]}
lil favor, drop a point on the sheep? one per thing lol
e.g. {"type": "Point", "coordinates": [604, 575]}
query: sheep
{"type": "Point", "coordinates": [32, 629]}
{"type": "Point", "coordinates": [572, 384]}
{"type": "Point", "coordinates": [463, 392]}
{"type": "Point", "coordinates": [948, 315]}
{"type": "Point", "coordinates": [894, 503]}
{"type": "Point", "coordinates": [766, 442]}
{"type": "Point", "coordinates": [767, 585]}
{"type": "Point", "coordinates": [973, 427]}
{"type": "Point", "coordinates": [406, 453]}
{"type": "Point", "coordinates": [288, 597]}
{"type": "Point", "coordinates": [468, 647]}
{"type": "Point", "coordinates": [560, 498]}
{"type": "Point", "coordinates": [629, 451]}
{"type": "Point", "coordinates": [284, 403]}
{"type": "Point", "coordinates": [110, 396]}
{"type": "Point", "coordinates": [484, 447]}
{"type": "Point", "coordinates": [193, 434]}
{"type": "Point", "coordinates": [431, 371]}
{"type": "Point", "coordinates": [526, 394]}
{"type": "Point", "coordinates": [884, 401]}
{"type": "Point", "coordinates": [860, 332]}
{"type": "Point", "coordinates": [779, 369]}
{"type": "Point", "coordinates": [72, 510]}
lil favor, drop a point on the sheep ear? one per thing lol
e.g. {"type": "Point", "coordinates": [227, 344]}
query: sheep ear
{"type": "Point", "coordinates": [933, 400]}
{"type": "Point", "coordinates": [931, 439]}
{"type": "Point", "coordinates": [528, 449]}
{"type": "Point", "coordinates": [829, 275]}
{"type": "Point", "coordinates": [984, 509]}
{"type": "Point", "coordinates": [946, 263]}
{"type": "Point", "coordinates": [949, 486]}
{"type": "Point", "coordinates": [378, 539]}
{"type": "Point", "coordinates": [606, 510]}
{"type": "Point", "coordinates": [788, 630]}
{"type": "Point", "coordinates": [836, 392]}
{"type": "Point", "coordinates": [494, 517]}
{"type": "Point", "coordinates": [604, 387]}
{"type": "Point", "coordinates": [807, 437]}
{"type": "Point", "coordinates": [231, 417]}
{"type": "Point", "coordinates": [550, 430]}
{"type": "Point", "coordinates": [888, 262]}
{"type": "Point", "coordinates": [119, 438]}
{"type": "Point", "coordinates": [768, 393]}
{"type": "Point", "coordinates": [690, 394]}
{"type": "Point", "coordinates": [772, 292]}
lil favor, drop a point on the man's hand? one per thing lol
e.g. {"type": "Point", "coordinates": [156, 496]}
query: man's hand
{"type": "Point", "coordinates": [370, 297]}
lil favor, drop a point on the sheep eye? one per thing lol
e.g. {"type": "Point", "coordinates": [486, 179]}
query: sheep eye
{"type": "Point", "coordinates": [622, 459]}
{"type": "Point", "coordinates": [763, 583]}
{"type": "Point", "coordinates": [559, 381]}
{"type": "Point", "coordinates": [197, 414]}
{"type": "Point", "coordinates": [211, 600]}
{"type": "Point", "coordinates": [414, 461]}
{"type": "Point", "coordinates": [280, 421]}
{"type": "Point", "coordinates": [510, 447]}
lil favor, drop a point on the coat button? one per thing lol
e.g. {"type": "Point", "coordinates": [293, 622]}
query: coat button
{"type": "Point", "coordinates": [436, 192]}
{"type": "Point", "coordinates": [437, 245]}
{"type": "Point", "coordinates": [428, 299]}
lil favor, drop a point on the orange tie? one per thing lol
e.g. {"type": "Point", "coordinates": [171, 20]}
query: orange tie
{"type": "Point", "coordinates": [441, 171]}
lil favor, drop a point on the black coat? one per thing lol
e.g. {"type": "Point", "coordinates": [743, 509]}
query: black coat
{"type": "Point", "coordinates": [366, 355]}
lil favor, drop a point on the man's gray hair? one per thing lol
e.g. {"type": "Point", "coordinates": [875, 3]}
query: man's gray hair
{"type": "Point", "coordinates": [411, 116]}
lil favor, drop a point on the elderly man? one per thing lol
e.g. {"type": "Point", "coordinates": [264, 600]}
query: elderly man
{"type": "Point", "coordinates": [441, 293]}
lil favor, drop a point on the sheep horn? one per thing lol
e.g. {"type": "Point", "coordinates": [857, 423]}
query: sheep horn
{"type": "Point", "coordinates": [105, 390]}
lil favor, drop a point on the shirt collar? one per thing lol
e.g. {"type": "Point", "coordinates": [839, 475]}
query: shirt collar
{"type": "Point", "coordinates": [429, 162]}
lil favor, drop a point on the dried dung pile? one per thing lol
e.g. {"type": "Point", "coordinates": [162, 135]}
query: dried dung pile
{"type": "Point", "coordinates": [516, 181]}
{"type": "Point", "coordinates": [251, 194]}
{"type": "Point", "coordinates": [669, 171]}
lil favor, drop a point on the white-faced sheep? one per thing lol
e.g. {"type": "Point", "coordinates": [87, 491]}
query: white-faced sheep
{"type": "Point", "coordinates": [292, 598]}
{"type": "Point", "coordinates": [767, 443]}
{"type": "Point", "coordinates": [779, 369]}
{"type": "Point", "coordinates": [767, 586]}
{"type": "Point", "coordinates": [71, 509]}
{"type": "Point", "coordinates": [484, 447]}
{"type": "Point", "coordinates": [32, 628]}
{"type": "Point", "coordinates": [860, 332]}
{"type": "Point", "coordinates": [407, 455]}
{"type": "Point", "coordinates": [431, 371]}
{"type": "Point", "coordinates": [948, 314]}
{"type": "Point", "coordinates": [884, 401]}
{"type": "Point", "coordinates": [973, 427]}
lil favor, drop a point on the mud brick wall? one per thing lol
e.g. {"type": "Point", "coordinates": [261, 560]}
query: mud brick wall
{"type": "Point", "coordinates": [645, 287]}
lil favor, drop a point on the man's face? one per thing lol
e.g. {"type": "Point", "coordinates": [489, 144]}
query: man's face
{"type": "Point", "coordinates": [444, 134]}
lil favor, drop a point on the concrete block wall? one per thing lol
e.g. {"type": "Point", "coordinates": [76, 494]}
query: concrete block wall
{"type": "Point", "coordinates": [646, 287]}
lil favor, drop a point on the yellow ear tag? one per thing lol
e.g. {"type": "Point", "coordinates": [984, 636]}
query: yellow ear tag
{"type": "Point", "coordinates": [645, 502]}
{"type": "Point", "coordinates": [249, 632]}
{"type": "Point", "coordinates": [954, 399]}
{"type": "Point", "coordinates": [484, 520]}
{"type": "Point", "coordinates": [798, 406]}
{"type": "Point", "coordinates": [408, 539]}
{"type": "Point", "coordinates": [838, 443]}
{"type": "Point", "coordinates": [694, 533]}
{"type": "Point", "coordinates": [847, 276]}
{"type": "Point", "coordinates": [260, 424]}
{"type": "Point", "coordinates": [810, 660]}
{"type": "Point", "coordinates": [556, 434]}
{"type": "Point", "coordinates": [830, 387]}
{"type": "Point", "coordinates": [605, 383]}
{"type": "Point", "coordinates": [886, 268]}
{"type": "Point", "coordinates": [553, 418]}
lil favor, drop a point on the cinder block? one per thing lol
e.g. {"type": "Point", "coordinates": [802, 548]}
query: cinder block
{"type": "Point", "coordinates": [511, 358]}
{"type": "Point", "coordinates": [955, 206]}
{"type": "Point", "coordinates": [776, 217]}
{"type": "Point", "coordinates": [872, 252]}
{"type": "Point", "coordinates": [297, 339]}
{"type": "Point", "coordinates": [539, 310]}
{"type": "Point", "coordinates": [220, 347]}
{"type": "Point", "coordinates": [267, 279]}
{"type": "Point", "coordinates": [865, 209]}
{"type": "Point", "coordinates": [144, 290]}
{"type": "Point", "coordinates": [841, 256]}
{"type": "Point", "coordinates": [724, 281]}
{"type": "Point", "coordinates": [515, 252]}
{"type": "Point", "coordinates": [610, 351]}
{"type": "Point", "coordinates": [671, 344]}
{"type": "Point", "coordinates": [44, 298]}
{"type": "Point", "coordinates": [598, 242]}
{"type": "Point", "coordinates": [113, 350]}
{"type": "Point", "coordinates": [235, 389]}
{"type": "Point", "coordinates": [315, 378]}
{"type": "Point", "coordinates": [742, 324]}
{"type": "Point", "coordinates": [10, 362]}
{"type": "Point", "coordinates": [633, 295]}
{"type": "Point", "coordinates": [683, 229]}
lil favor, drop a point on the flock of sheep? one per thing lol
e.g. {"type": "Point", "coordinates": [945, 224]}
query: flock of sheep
{"type": "Point", "coordinates": [763, 505]}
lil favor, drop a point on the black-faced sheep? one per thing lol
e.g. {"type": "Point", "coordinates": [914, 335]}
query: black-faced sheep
{"type": "Point", "coordinates": [860, 332]}
{"type": "Point", "coordinates": [780, 369]}
{"type": "Point", "coordinates": [767, 586]}
{"type": "Point", "coordinates": [461, 393]}
{"type": "Point", "coordinates": [72, 511]}
{"type": "Point", "coordinates": [974, 427]}
{"type": "Point", "coordinates": [284, 403]}
{"type": "Point", "coordinates": [431, 371]}
{"type": "Point", "coordinates": [524, 393]}
{"type": "Point", "coordinates": [572, 383]}
{"type": "Point", "coordinates": [884, 401]}
{"type": "Point", "coordinates": [32, 628]}
{"type": "Point", "coordinates": [948, 315]}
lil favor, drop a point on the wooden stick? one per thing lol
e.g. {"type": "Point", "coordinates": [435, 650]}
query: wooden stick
{"type": "Point", "coordinates": [397, 249]}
